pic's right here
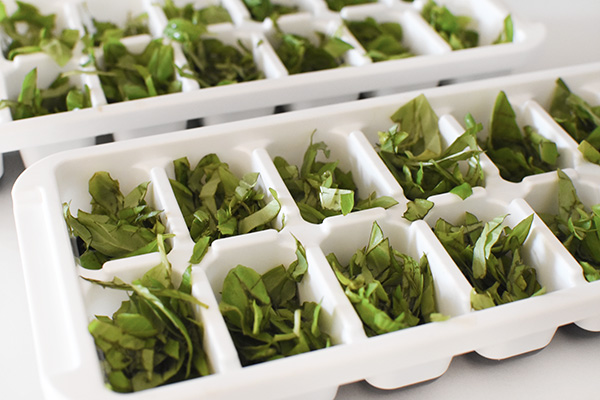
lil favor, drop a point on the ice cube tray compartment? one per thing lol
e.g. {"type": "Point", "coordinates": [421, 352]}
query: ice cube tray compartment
{"type": "Point", "coordinates": [434, 62]}
{"type": "Point", "coordinates": [350, 130]}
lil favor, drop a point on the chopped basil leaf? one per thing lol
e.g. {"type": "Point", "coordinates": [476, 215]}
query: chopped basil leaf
{"type": "Point", "coordinates": [153, 338]}
{"type": "Point", "coordinates": [577, 227]}
{"type": "Point", "coordinates": [216, 204]}
{"type": "Point", "coordinates": [299, 54]}
{"type": "Point", "coordinates": [128, 76]}
{"type": "Point", "coordinates": [337, 5]}
{"type": "Point", "coordinates": [264, 313]}
{"type": "Point", "coordinates": [580, 119]}
{"type": "Point", "coordinates": [412, 151]}
{"type": "Point", "coordinates": [489, 256]}
{"type": "Point", "coordinates": [118, 226]}
{"type": "Point", "coordinates": [211, 14]}
{"type": "Point", "coordinates": [517, 154]}
{"type": "Point", "coordinates": [106, 30]}
{"type": "Point", "coordinates": [60, 96]}
{"type": "Point", "coordinates": [323, 190]}
{"type": "Point", "coordinates": [212, 62]}
{"type": "Point", "coordinates": [382, 41]}
{"type": "Point", "coordinates": [452, 28]}
{"type": "Point", "coordinates": [261, 9]}
{"type": "Point", "coordinates": [29, 31]}
{"type": "Point", "coordinates": [507, 34]}
{"type": "Point", "coordinates": [388, 289]}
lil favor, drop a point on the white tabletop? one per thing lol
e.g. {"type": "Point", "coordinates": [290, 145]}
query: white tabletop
{"type": "Point", "coordinates": [566, 368]}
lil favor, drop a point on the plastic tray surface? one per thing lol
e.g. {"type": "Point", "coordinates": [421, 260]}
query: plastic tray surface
{"type": "Point", "coordinates": [69, 365]}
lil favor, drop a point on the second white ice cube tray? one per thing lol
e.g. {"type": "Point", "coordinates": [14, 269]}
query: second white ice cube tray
{"type": "Point", "coordinates": [62, 304]}
{"type": "Point", "coordinates": [434, 61]}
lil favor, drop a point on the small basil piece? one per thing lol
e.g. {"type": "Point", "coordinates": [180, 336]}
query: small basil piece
{"type": "Point", "coordinates": [261, 9]}
{"type": "Point", "coordinates": [337, 5]}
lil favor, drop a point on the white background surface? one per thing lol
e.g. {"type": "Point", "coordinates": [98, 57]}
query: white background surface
{"type": "Point", "coordinates": [567, 368]}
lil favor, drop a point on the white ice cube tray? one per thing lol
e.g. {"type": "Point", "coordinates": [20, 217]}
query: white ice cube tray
{"type": "Point", "coordinates": [62, 304]}
{"type": "Point", "coordinates": [434, 62]}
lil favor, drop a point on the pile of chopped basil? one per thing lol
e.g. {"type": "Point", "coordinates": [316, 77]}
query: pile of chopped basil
{"type": "Point", "coordinates": [580, 119]}
{"type": "Point", "coordinates": [118, 226]}
{"type": "Point", "coordinates": [264, 314]}
{"type": "Point", "coordinates": [261, 9]}
{"type": "Point", "coordinates": [577, 227]}
{"type": "Point", "coordinates": [489, 256]}
{"type": "Point", "coordinates": [211, 14]}
{"type": "Point", "coordinates": [153, 339]}
{"type": "Point", "coordinates": [29, 31]}
{"type": "Point", "coordinates": [337, 5]}
{"type": "Point", "coordinates": [412, 151]}
{"type": "Point", "coordinates": [217, 204]}
{"type": "Point", "coordinates": [106, 30]}
{"type": "Point", "coordinates": [388, 289]}
{"type": "Point", "coordinates": [382, 41]}
{"type": "Point", "coordinates": [299, 54]}
{"type": "Point", "coordinates": [517, 154]}
{"type": "Point", "coordinates": [212, 62]}
{"type": "Point", "coordinates": [128, 76]}
{"type": "Point", "coordinates": [322, 189]}
{"type": "Point", "coordinates": [452, 28]}
{"type": "Point", "coordinates": [60, 96]}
